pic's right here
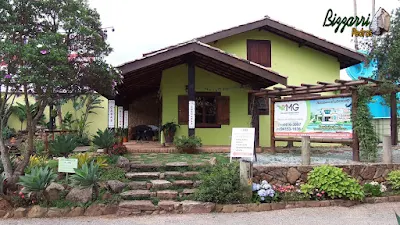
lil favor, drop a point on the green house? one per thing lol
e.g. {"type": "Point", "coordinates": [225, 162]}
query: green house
{"type": "Point", "coordinates": [217, 72]}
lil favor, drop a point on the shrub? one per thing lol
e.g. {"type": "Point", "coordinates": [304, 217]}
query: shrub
{"type": "Point", "coordinates": [113, 173]}
{"type": "Point", "coordinates": [82, 158]}
{"type": "Point", "coordinates": [63, 145]}
{"type": "Point", "coordinates": [35, 161]}
{"type": "Point", "coordinates": [37, 180]}
{"type": "Point", "coordinates": [313, 193]}
{"type": "Point", "coordinates": [118, 149]}
{"type": "Point", "coordinates": [187, 143]}
{"type": "Point", "coordinates": [221, 184]}
{"type": "Point", "coordinates": [374, 189]}
{"type": "Point", "coordinates": [335, 182]}
{"type": "Point", "coordinates": [39, 147]}
{"type": "Point", "coordinates": [104, 139]}
{"type": "Point", "coordinates": [394, 179]}
{"type": "Point", "coordinates": [8, 132]}
{"type": "Point", "coordinates": [87, 176]}
{"type": "Point", "coordinates": [263, 192]}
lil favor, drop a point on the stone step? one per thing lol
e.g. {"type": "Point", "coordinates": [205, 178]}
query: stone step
{"type": "Point", "coordinates": [174, 166]}
{"type": "Point", "coordinates": [160, 184]}
{"type": "Point", "coordinates": [139, 185]}
{"type": "Point", "coordinates": [137, 194]}
{"type": "Point", "coordinates": [187, 192]}
{"type": "Point", "coordinates": [183, 183]}
{"type": "Point", "coordinates": [177, 174]}
{"type": "Point", "coordinates": [167, 194]}
{"type": "Point", "coordinates": [143, 175]}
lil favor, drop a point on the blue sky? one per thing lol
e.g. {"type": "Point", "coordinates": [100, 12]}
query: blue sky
{"type": "Point", "coordinates": [142, 26]}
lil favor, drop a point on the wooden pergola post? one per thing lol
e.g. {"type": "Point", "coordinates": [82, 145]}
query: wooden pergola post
{"type": "Point", "coordinates": [191, 95]}
{"type": "Point", "coordinates": [272, 125]}
{"type": "Point", "coordinates": [393, 118]}
{"type": "Point", "coordinates": [356, 144]}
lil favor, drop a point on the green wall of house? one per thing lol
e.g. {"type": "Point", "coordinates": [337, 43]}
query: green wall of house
{"type": "Point", "coordinates": [96, 121]}
{"type": "Point", "coordinates": [173, 84]}
{"type": "Point", "coordinates": [299, 64]}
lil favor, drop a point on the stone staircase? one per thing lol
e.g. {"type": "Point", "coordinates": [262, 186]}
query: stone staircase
{"type": "Point", "coordinates": [170, 184]}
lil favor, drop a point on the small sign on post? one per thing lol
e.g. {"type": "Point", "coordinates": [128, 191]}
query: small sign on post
{"type": "Point", "coordinates": [67, 166]}
{"type": "Point", "coordinates": [192, 108]}
{"type": "Point", "coordinates": [242, 143]}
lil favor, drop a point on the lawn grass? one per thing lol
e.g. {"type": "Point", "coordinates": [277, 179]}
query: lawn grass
{"type": "Point", "coordinates": [164, 158]}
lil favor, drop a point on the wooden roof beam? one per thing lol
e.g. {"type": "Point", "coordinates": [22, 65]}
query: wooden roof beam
{"type": "Point", "coordinates": [324, 83]}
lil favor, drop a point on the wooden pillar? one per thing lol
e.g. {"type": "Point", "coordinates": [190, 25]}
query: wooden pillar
{"type": "Point", "coordinates": [356, 145]}
{"type": "Point", "coordinates": [191, 96]}
{"type": "Point", "coordinates": [272, 125]}
{"type": "Point", "coordinates": [387, 150]}
{"type": "Point", "coordinates": [305, 150]}
{"type": "Point", "coordinates": [393, 118]}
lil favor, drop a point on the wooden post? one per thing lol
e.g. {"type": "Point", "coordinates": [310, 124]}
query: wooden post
{"type": "Point", "coordinates": [272, 125]}
{"type": "Point", "coordinates": [393, 118]}
{"type": "Point", "coordinates": [305, 150]}
{"type": "Point", "coordinates": [191, 91]}
{"type": "Point", "coordinates": [246, 175]}
{"type": "Point", "coordinates": [387, 150]}
{"type": "Point", "coordinates": [356, 145]}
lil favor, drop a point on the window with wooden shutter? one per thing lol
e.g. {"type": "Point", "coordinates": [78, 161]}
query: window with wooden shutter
{"type": "Point", "coordinates": [223, 110]}
{"type": "Point", "coordinates": [261, 103]}
{"type": "Point", "coordinates": [259, 51]}
{"type": "Point", "coordinates": [183, 109]}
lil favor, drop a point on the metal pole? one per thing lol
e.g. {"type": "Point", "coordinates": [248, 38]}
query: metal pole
{"type": "Point", "coordinates": [355, 16]}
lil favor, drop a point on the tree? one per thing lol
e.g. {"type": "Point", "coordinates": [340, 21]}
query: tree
{"type": "Point", "coordinates": [52, 48]}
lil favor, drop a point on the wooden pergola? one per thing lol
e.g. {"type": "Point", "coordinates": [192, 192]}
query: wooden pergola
{"type": "Point", "coordinates": [313, 91]}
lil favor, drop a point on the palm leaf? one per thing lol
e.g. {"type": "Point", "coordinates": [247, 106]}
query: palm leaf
{"type": "Point", "coordinates": [398, 218]}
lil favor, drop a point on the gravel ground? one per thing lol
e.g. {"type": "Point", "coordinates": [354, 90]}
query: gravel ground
{"type": "Point", "coordinates": [381, 214]}
{"type": "Point", "coordinates": [339, 156]}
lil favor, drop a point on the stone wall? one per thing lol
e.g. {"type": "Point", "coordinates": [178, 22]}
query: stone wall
{"type": "Point", "coordinates": [298, 174]}
{"type": "Point", "coordinates": [145, 111]}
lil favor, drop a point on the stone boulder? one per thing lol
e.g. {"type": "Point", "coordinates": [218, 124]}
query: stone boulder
{"type": "Point", "coordinates": [4, 204]}
{"type": "Point", "coordinates": [80, 195]}
{"type": "Point", "coordinates": [95, 210]}
{"type": "Point", "coordinates": [115, 186]}
{"type": "Point", "coordinates": [197, 207]}
{"type": "Point", "coordinates": [37, 212]}
{"type": "Point", "coordinates": [293, 175]}
{"type": "Point", "coordinates": [53, 191]}
{"type": "Point", "coordinates": [77, 211]}
{"type": "Point", "coordinates": [20, 212]}
{"type": "Point", "coordinates": [124, 163]}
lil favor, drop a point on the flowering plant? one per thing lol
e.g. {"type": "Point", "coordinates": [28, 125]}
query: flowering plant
{"type": "Point", "coordinates": [289, 192]}
{"type": "Point", "coordinates": [263, 192]}
{"type": "Point", "coordinates": [374, 189]}
{"type": "Point", "coordinates": [118, 149]}
{"type": "Point", "coordinates": [313, 193]}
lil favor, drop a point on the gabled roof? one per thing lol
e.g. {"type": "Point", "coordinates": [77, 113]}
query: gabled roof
{"type": "Point", "coordinates": [346, 56]}
{"type": "Point", "coordinates": [138, 72]}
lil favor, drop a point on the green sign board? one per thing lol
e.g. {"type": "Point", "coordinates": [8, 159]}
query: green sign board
{"type": "Point", "coordinates": [67, 165]}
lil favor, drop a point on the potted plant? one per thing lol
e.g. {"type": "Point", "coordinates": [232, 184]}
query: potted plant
{"type": "Point", "coordinates": [125, 135]}
{"type": "Point", "coordinates": [169, 130]}
{"type": "Point", "coordinates": [188, 145]}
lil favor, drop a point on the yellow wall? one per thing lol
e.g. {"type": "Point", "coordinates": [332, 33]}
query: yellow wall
{"type": "Point", "coordinates": [173, 84]}
{"type": "Point", "coordinates": [96, 121]}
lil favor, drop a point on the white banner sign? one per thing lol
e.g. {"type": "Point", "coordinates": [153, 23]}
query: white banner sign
{"type": "Point", "coordinates": [120, 116]}
{"type": "Point", "coordinates": [242, 143]}
{"type": "Point", "coordinates": [111, 113]}
{"type": "Point", "coordinates": [126, 119]}
{"type": "Point", "coordinates": [67, 165]}
{"type": "Point", "coordinates": [192, 118]}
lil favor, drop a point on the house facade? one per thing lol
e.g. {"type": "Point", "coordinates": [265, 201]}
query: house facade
{"type": "Point", "coordinates": [214, 75]}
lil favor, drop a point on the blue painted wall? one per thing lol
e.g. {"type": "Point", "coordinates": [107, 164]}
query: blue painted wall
{"type": "Point", "coordinates": [378, 110]}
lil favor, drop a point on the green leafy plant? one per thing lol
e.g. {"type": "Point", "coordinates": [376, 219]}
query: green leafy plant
{"type": "Point", "coordinates": [372, 190]}
{"type": "Point", "coordinates": [39, 147]}
{"type": "Point", "coordinates": [101, 161]}
{"type": "Point", "coordinates": [187, 144]}
{"type": "Point", "coordinates": [83, 158]}
{"type": "Point", "coordinates": [104, 139]}
{"type": "Point", "coordinates": [8, 132]}
{"type": "Point", "coordinates": [20, 111]}
{"type": "Point", "coordinates": [169, 129]}
{"type": "Point", "coordinates": [35, 161]}
{"type": "Point", "coordinates": [90, 103]}
{"type": "Point", "coordinates": [335, 182]}
{"type": "Point", "coordinates": [67, 121]}
{"type": "Point", "coordinates": [37, 180]}
{"type": "Point", "coordinates": [221, 184]}
{"type": "Point", "coordinates": [113, 173]}
{"type": "Point", "coordinates": [394, 179]}
{"type": "Point", "coordinates": [63, 145]}
{"type": "Point", "coordinates": [87, 177]}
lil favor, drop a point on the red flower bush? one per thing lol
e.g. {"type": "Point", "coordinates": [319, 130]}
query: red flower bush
{"type": "Point", "coordinates": [118, 149]}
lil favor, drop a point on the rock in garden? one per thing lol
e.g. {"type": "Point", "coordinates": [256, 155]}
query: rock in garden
{"type": "Point", "coordinates": [53, 191]}
{"type": "Point", "coordinates": [368, 172]}
{"type": "Point", "coordinates": [123, 162]}
{"type": "Point", "coordinates": [54, 212]}
{"type": "Point", "coordinates": [135, 185]}
{"type": "Point", "coordinates": [4, 204]}
{"type": "Point", "coordinates": [77, 211]}
{"type": "Point", "coordinates": [95, 210]}
{"type": "Point", "coordinates": [37, 212]}
{"type": "Point", "coordinates": [213, 161]}
{"type": "Point", "coordinates": [197, 207]}
{"type": "Point", "coordinates": [293, 175]}
{"type": "Point", "coordinates": [115, 186]}
{"type": "Point", "coordinates": [80, 195]}
{"type": "Point", "coordinates": [2, 213]}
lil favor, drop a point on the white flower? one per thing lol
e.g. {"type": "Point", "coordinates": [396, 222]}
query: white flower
{"type": "Point", "coordinates": [262, 193]}
{"type": "Point", "coordinates": [39, 45]}
{"type": "Point", "coordinates": [383, 188]}
{"type": "Point", "coordinates": [266, 186]}
{"type": "Point", "coordinates": [374, 183]}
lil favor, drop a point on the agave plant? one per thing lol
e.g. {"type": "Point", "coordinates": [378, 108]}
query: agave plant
{"type": "Point", "coordinates": [104, 139]}
{"type": "Point", "coordinates": [63, 145]}
{"type": "Point", "coordinates": [37, 180]}
{"type": "Point", "coordinates": [87, 177]}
